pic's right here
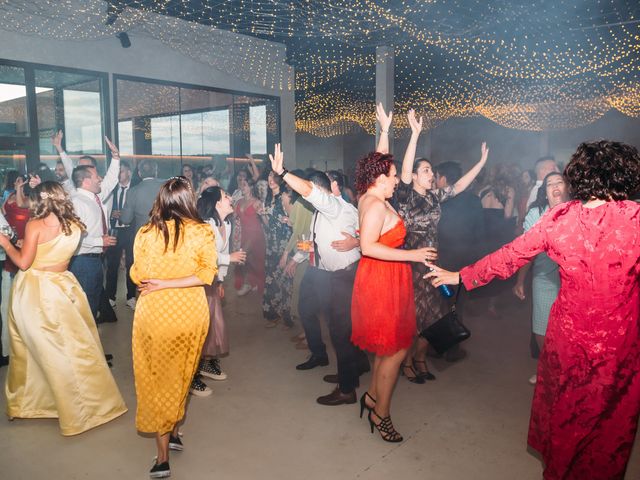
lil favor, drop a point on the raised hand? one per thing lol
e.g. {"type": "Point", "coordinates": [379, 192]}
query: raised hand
{"type": "Point", "coordinates": [383, 119]}
{"type": "Point", "coordinates": [277, 160]}
{"type": "Point", "coordinates": [56, 141]}
{"type": "Point", "coordinates": [416, 125]}
{"type": "Point", "coordinates": [115, 153]}
{"type": "Point", "coordinates": [485, 152]}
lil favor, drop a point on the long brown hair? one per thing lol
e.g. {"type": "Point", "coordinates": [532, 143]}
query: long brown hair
{"type": "Point", "coordinates": [175, 201]}
{"type": "Point", "coordinates": [49, 197]}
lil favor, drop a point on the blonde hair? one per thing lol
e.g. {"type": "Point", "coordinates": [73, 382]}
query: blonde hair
{"type": "Point", "coordinates": [50, 197]}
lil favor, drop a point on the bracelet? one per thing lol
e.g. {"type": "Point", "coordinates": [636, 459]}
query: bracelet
{"type": "Point", "coordinates": [284, 172]}
{"type": "Point", "coordinates": [384, 131]}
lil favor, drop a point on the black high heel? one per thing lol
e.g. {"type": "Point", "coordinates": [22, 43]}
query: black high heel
{"type": "Point", "coordinates": [363, 403]}
{"type": "Point", "coordinates": [414, 378]}
{"type": "Point", "coordinates": [385, 427]}
{"type": "Point", "coordinates": [424, 375]}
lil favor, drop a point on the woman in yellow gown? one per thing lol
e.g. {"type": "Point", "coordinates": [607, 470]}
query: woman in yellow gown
{"type": "Point", "coordinates": [174, 257]}
{"type": "Point", "coordinates": [57, 368]}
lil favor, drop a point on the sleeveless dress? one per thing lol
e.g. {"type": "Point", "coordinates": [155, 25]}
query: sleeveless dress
{"type": "Point", "coordinates": [57, 368]}
{"type": "Point", "coordinates": [383, 312]}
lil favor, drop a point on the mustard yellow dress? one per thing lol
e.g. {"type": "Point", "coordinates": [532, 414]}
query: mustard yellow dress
{"type": "Point", "coordinates": [57, 368]}
{"type": "Point", "coordinates": [170, 325]}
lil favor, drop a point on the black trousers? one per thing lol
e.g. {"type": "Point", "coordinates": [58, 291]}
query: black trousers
{"type": "Point", "coordinates": [112, 259]}
{"type": "Point", "coordinates": [330, 293]}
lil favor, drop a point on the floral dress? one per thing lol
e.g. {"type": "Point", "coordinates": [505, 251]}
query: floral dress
{"type": "Point", "coordinates": [276, 302]}
{"type": "Point", "coordinates": [421, 214]}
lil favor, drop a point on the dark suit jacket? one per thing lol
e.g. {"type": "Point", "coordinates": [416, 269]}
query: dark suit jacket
{"type": "Point", "coordinates": [139, 202]}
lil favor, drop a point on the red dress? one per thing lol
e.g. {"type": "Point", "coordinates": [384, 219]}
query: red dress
{"type": "Point", "coordinates": [587, 399]}
{"type": "Point", "coordinates": [253, 243]}
{"type": "Point", "coordinates": [383, 313]}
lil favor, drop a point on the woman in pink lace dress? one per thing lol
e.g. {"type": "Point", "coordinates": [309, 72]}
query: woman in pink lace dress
{"type": "Point", "coordinates": [587, 400]}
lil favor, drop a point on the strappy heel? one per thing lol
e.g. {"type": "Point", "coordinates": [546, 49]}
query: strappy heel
{"type": "Point", "coordinates": [363, 403]}
{"type": "Point", "coordinates": [385, 427]}
{"type": "Point", "coordinates": [414, 377]}
{"type": "Point", "coordinates": [424, 375]}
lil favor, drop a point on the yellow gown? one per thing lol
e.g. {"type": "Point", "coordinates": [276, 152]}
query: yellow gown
{"type": "Point", "coordinates": [170, 325]}
{"type": "Point", "coordinates": [57, 367]}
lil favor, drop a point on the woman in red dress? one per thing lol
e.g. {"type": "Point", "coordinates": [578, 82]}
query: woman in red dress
{"type": "Point", "coordinates": [251, 275]}
{"type": "Point", "coordinates": [383, 314]}
{"type": "Point", "coordinates": [587, 399]}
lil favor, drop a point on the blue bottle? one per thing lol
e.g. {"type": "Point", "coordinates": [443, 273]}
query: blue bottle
{"type": "Point", "coordinates": [445, 291]}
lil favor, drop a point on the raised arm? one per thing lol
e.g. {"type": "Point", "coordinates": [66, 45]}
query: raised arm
{"type": "Point", "coordinates": [385, 123]}
{"type": "Point", "coordinates": [410, 153]}
{"type": "Point", "coordinates": [300, 185]}
{"type": "Point", "coordinates": [462, 184]}
{"type": "Point", "coordinates": [56, 141]}
{"type": "Point", "coordinates": [255, 172]}
{"type": "Point", "coordinates": [110, 179]}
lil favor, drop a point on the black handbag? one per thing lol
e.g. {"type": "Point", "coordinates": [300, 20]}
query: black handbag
{"type": "Point", "coordinates": [448, 331]}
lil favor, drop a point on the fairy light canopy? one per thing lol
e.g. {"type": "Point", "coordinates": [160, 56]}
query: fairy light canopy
{"type": "Point", "coordinates": [524, 64]}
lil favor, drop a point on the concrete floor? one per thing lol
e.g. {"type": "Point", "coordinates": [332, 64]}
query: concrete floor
{"type": "Point", "coordinates": [263, 422]}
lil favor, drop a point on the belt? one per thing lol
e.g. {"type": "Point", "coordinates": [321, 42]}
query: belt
{"type": "Point", "coordinates": [90, 255]}
{"type": "Point", "coordinates": [348, 268]}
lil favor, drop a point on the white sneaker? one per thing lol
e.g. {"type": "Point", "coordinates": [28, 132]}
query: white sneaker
{"type": "Point", "coordinates": [112, 303]}
{"type": "Point", "coordinates": [244, 289]}
{"type": "Point", "coordinates": [533, 379]}
{"type": "Point", "coordinates": [131, 303]}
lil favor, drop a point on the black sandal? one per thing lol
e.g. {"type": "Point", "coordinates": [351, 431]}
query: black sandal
{"type": "Point", "coordinates": [424, 375]}
{"type": "Point", "coordinates": [385, 427]}
{"type": "Point", "coordinates": [414, 377]}
{"type": "Point", "coordinates": [363, 403]}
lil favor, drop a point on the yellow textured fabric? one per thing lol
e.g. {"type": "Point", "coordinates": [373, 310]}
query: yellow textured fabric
{"type": "Point", "coordinates": [169, 325]}
{"type": "Point", "coordinates": [57, 367]}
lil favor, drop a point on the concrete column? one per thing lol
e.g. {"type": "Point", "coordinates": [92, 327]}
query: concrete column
{"type": "Point", "coordinates": [385, 67]}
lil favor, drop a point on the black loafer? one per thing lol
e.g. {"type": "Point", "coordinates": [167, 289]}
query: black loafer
{"type": "Point", "coordinates": [313, 362]}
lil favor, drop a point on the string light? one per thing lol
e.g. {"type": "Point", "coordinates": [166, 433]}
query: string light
{"type": "Point", "coordinates": [533, 66]}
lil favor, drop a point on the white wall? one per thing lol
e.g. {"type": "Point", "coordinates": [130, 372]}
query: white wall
{"type": "Point", "coordinates": [147, 57]}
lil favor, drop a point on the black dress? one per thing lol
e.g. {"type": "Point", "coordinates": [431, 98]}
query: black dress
{"type": "Point", "coordinates": [421, 214]}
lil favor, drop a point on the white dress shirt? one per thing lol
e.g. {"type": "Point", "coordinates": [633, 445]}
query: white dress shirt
{"type": "Point", "coordinates": [109, 181]}
{"type": "Point", "coordinates": [222, 247]}
{"type": "Point", "coordinates": [86, 207]}
{"type": "Point", "coordinates": [108, 202]}
{"type": "Point", "coordinates": [534, 193]}
{"type": "Point", "coordinates": [332, 217]}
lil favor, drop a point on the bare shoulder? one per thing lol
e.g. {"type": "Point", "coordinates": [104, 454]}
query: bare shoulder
{"type": "Point", "coordinates": [371, 203]}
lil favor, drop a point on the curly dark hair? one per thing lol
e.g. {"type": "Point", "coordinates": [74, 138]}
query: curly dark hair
{"type": "Point", "coordinates": [371, 167]}
{"type": "Point", "coordinates": [49, 197]}
{"type": "Point", "coordinates": [605, 170]}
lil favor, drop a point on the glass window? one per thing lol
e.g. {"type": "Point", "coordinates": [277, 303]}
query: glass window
{"type": "Point", "coordinates": [125, 137]}
{"type": "Point", "coordinates": [13, 101]}
{"type": "Point", "coordinates": [71, 102]}
{"type": "Point", "coordinates": [210, 130]}
{"type": "Point", "coordinates": [258, 129]}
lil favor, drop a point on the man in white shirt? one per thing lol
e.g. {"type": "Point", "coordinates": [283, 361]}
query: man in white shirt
{"type": "Point", "coordinates": [110, 179]}
{"type": "Point", "coordinates": [124, 234]}
{"type": "Point", "coordinates": [86, 265]}
{"type": "Point", "coordinates": [327, 285]}
{"type": "Point", "coordinates": [543, 167]}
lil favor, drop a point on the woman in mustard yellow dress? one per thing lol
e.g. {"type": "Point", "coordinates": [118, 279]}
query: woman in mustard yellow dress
{"type": "Point", "coordinates": [57, 368]}
{"type": "Point", "coordinates": [174, 257]}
